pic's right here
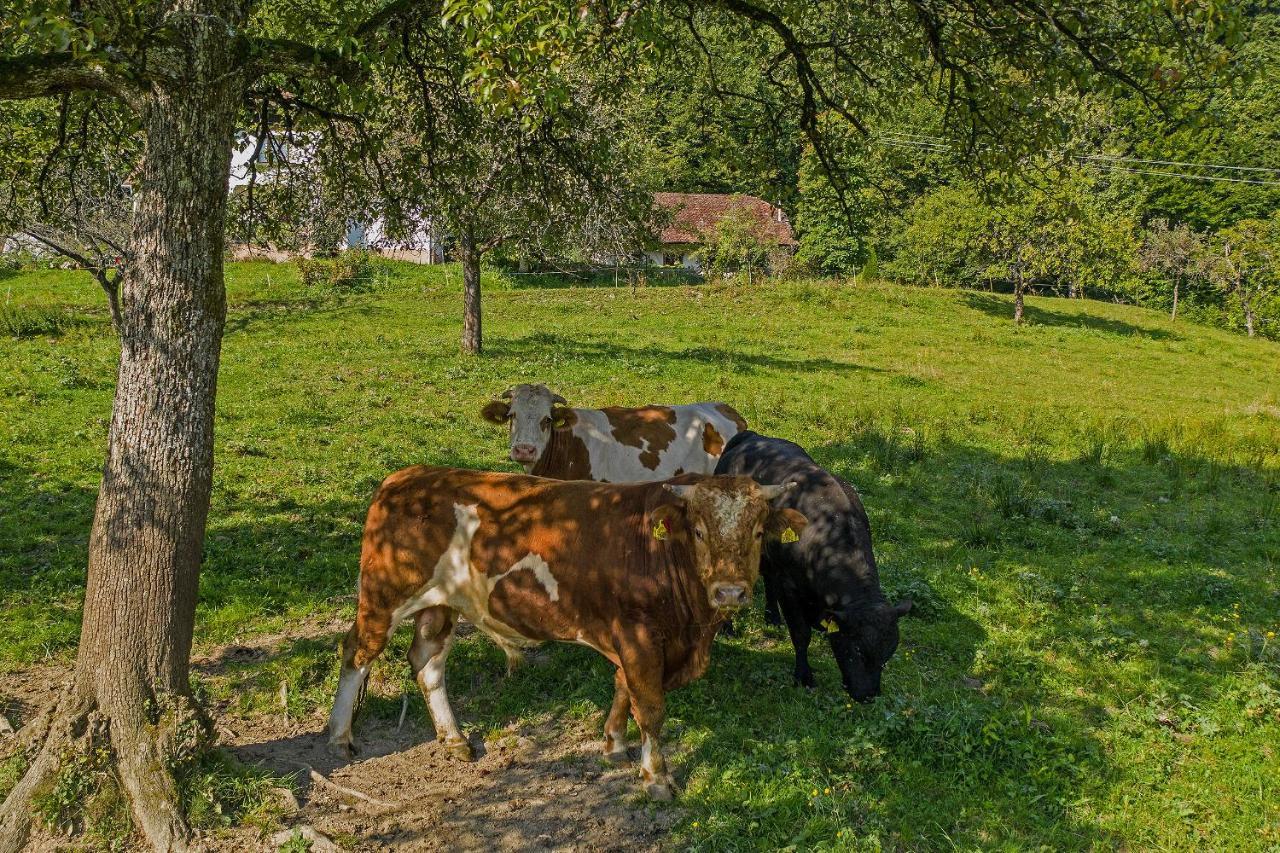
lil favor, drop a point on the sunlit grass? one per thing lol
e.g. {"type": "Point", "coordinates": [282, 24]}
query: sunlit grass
{"type": "Point", "coordinates": [1086, 511]}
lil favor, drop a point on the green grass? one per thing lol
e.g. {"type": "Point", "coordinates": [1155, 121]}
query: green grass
{"type": "Point", "coordinates": [1087, 511]}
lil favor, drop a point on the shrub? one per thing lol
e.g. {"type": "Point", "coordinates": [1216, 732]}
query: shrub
{"type": "Point", "coordinates": [353, 271]}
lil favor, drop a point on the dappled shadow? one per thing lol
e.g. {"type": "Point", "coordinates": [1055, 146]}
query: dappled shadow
{"type": "Point", "coordinates": [250, 315]}
{"type": "Point", "coordinates": [596, 349]}
{"type": "Point", "coordinates": [1037, 313]}
{"type": "Point", "coordinates": [1122, 560]}
{"type": "Point", "coordinates": [603, 279]}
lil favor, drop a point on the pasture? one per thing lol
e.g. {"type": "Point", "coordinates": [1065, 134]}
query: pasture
{"type": "Point", "coordinates": [1086, 511]}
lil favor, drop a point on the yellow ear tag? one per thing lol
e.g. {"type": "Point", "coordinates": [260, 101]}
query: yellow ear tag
{"type": "Point", "coordinates": [660, 529]}
{"type": "Point", "coordinates": [790, 535]}
{"type": "Point", "coordinates": [830, 626]}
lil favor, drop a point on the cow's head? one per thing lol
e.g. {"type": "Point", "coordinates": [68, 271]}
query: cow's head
{"type": "Point", "coordinates": [533, 411]}
{"type": "Point", "coordinates": [863, 640]}
{"type": "Point", "coordinates": [724, 520]}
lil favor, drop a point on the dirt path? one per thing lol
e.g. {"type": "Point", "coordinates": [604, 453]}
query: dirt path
{"type": "Point", "coordinates": [542, 788]}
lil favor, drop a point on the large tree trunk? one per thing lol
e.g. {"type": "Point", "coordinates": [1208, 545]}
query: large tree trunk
{"type": "Point", "coordinates": [1248, 313]}
{"type": "Point", "coordinates": [1017, 298]}
{"type": "Point", "coordinates": [131, 680]}
{"type": "Point", "coordinates": [1173, 315]}
{"type": "Point", "coordinates": [470, 256]}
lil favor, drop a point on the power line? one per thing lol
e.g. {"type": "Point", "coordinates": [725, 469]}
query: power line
{"type": "Point", "coordinates": [1109, 163]}
{"type": "Point", "coordinates": [939, 140]}
{"type": "Point", "coordinates": [1190, 177]}
{"type": "Point", "coordinates": [1181, 163]}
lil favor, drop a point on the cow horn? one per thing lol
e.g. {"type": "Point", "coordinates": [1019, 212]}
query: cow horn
{"type": "Point", "coordinates": [556, 398]}
{"type": "Point", "coordinates": [772, 492]}
{"type": "Point", "coordinates": [682, 492]}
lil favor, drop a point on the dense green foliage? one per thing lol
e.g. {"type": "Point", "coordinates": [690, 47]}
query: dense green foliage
{"type": "Point", "coordinates": [927, 193]}
{"type": "Point", "coordinates": [1086, 511]}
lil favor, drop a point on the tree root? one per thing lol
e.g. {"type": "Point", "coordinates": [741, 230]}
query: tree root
{"type": "Point", "coordinates": [142, 750]}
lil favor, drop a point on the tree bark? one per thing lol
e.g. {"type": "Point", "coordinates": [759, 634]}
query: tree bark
{"type": "Point", "coordinates": [131, 673]}
{"type": "Point", "coordinates": [471, 331]}
{"type": "Point", "coordinates": [1248, 314]}
{"type": "Point", "coordinates": [1173, 315]}
{"type": "Point", "coordinates": [1017, 298]}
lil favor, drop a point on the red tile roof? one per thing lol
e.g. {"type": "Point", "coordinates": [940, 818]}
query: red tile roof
{"type": "Point", "coordinates": [697, 213]}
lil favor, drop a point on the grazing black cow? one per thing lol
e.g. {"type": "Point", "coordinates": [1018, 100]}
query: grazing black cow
{"type": "Point", "coordinates": [827, 579]}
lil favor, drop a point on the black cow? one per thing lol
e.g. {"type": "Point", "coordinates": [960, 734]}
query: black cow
{"type": "Point", "coordinates": [827, 579]}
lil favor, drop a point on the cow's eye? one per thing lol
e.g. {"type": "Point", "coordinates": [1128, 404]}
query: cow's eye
{"type": "Point", "coordinates": [697, 531]}
{"type": "Point", "coordinates": [546, 423]}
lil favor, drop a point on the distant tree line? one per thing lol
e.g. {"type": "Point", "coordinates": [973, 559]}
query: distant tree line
{"type": "Point", "coordinates": [1115, 207]}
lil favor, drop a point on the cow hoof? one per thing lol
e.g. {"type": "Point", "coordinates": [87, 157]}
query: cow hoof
{"type": "Point", "coordinates": [616, 759]}
{"type": "Point", "coordinates": [806, 681]}
{"type": "Point", "coordinates": [660, 791]}
{"type": "Point", "coordinates": [344, 750]}
{"type": "Point", "coordinates": [460, 749]}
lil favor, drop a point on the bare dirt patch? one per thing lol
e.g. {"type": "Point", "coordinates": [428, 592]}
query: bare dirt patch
{"type": "Point", "coordinates": [533, 787]}
{"type": "Point", "coordinates": [529, 790]}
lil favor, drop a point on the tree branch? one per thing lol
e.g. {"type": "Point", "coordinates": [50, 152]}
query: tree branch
{"type": "Point", "coordinates": [43, 75]}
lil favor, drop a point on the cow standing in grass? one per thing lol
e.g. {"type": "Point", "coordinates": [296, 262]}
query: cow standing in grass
{"type": "Point", "coordinates": [643, 573]}
{"type": "Point", "coordinates": [826, 579]}
{"type": "Point", "coordinates": [611, 445]}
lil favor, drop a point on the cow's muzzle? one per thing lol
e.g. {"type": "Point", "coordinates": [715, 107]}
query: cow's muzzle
{"type": "Point", "coordinates": [524, 453]}
{"type": "Point", "coordinates": [728, 595]}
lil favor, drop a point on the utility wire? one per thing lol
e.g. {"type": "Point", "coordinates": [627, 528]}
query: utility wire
{"type": "Point", "coordinates": [938, 140]}
{"type": "Point", "coordinates": [1113, 164]}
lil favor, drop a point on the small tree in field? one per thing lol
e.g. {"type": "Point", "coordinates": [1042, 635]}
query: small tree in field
{"type": "Point", "coordinates": [1244, 262]}
{"type": "Point", "coordinates": [737, 245]}
{"type": "Point", "coordinates": [538, 179]}
{"type": "Point", "coordinates": [1173, 252]}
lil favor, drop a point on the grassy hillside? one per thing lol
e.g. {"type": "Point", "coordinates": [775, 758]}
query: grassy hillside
{"type": "Point", "coordinates": [1086, 511]}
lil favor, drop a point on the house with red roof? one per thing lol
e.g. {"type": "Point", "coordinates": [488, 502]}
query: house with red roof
{"type": "Point", "coordinates": [692, 217]}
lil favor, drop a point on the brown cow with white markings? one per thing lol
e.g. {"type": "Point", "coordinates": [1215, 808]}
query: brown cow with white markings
{"type": "Point", "coordinates": [643, 573]}
{"type": "Point", "coordinates": [615, 444]}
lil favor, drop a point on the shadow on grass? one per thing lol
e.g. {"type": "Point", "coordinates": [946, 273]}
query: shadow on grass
{"type": "Point", "coordinates": [590, 349]}
{"type": "Point", "coordinates": [605, 278]}
{"type": "Point", "coordinates": [1041, 316]}
{"type": "Point", "coordinates": [975, 731]}
{"type": "Point", "coordinates": [252, 314]}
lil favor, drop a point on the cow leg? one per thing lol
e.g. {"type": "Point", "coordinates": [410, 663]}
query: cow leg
{"type": "Point", "coordinates": [432, 638]}
{"type": "Point", "coordinates": [772, 616]}
{"type": "Point", "coordinates": [615, 726]}
{"type": "Point", "coordinates": [801, 633]}
{"type": "Point", "coordinates": [643, 671]}
{"type": "Point", "coordinates": [364, 642]}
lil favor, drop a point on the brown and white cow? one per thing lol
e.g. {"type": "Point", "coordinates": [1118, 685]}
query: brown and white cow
{"type": "Point", "coordinates": [615, 444]}
{"type": "Point", "coordinates": [643, 573]}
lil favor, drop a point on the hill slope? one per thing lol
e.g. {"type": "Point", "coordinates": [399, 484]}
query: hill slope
{"type": "Point", "coordinates": [1086, 510]}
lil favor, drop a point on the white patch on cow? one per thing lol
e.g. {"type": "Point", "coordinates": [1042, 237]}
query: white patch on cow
{"type": "Point", "coordinates": [620, 463]}
{"type": "Point", "coordinates": [452, 574]}
{"type": "Point", "coordinates": [728, 509]}
{"type": "Point", "coordinates": [534, 563]}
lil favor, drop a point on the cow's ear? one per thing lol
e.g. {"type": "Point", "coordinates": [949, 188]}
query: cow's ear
{"type": "Point", "coordinates": [496, 412]}
{"type": "Point", "coordinates": [786, 525]}
{"type": "Point", "coordinates": [902, 608]}
{"type": "Point", "coordinates": [662, 520]}
{"type": "Point", "coordinates": [563, 418]}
